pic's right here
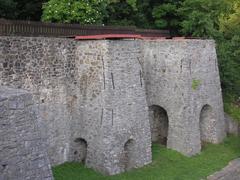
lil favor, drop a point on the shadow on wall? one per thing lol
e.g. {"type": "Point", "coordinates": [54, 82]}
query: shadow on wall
{"type": "Point", "coordinates": [206, 124]}
{"type": "Point", "coordinates": [159, 124]}
{"type": "Point", "coordinates": [79, 150]}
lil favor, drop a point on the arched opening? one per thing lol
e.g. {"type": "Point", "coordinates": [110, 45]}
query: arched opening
{"type": "Point", "coordinates": [80, 150]}
{"type": "Point", "coordinates": [206, 123]}
{"type": "Point", "coordinates": [128, 155]}
{"type": "Point", "coordinates": [159, 124]}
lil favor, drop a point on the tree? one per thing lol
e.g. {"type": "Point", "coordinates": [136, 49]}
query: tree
{"type": "Point", "coordinates": [120, 13]}
{"type": "Point", "coordinates": [166, 16]}
{"type": "Point", "coordinates": [201, 17]}
{"type": "Point", "coordinates": [228, 55]}
{"type": "Point", "coordinates": [144, 18]}
{"type": "Point", "coordinates": [230, 21]}
{"type": "Point", "coordinates": [21, 9]}
{"type": "Point", "coordinates": [228, 49]}
{"type": "Point", "coordinates": [7, 9]}
{"type": "Point", "coordinates": [131, 12]}
{"type": "Point", "coordinates": [29, 9]}
{"type": "Point", "coordinates": [74, 11]}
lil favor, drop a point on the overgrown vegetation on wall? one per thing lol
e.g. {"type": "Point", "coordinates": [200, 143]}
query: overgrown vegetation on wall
{"type": "Point", "coordinates": [199, 18]}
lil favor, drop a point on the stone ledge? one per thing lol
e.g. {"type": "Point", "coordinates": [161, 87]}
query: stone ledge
{"type": "Point", "coordinates": [230, 172]}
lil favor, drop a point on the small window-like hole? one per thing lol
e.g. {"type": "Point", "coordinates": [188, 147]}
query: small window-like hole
{"type": "Point", "coordinates": [4, 166]}
{"type": "Point", "coordinates": [75, 152]}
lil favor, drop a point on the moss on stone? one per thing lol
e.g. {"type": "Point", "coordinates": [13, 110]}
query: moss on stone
{"type": "Point", "coordinates": [196, 83]}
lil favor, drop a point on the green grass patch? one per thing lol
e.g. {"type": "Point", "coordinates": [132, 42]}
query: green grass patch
{"type": "Point", "coordinates": [167, 165]}
{"type": "Point", "coordinates": [232, 108]}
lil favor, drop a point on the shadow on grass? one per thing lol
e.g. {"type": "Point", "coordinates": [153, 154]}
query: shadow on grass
{"type": "Point", "coordinates": [167, 164]}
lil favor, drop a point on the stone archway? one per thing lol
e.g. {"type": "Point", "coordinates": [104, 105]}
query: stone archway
{"type": "Point", "coordinates": [80, 150]}
{"type": "Point", "coordinates": [128, 160]}
{"type": "Point", "coordinates": [206, 124]}
{"type": "Point", "coordinates": [159, 124]}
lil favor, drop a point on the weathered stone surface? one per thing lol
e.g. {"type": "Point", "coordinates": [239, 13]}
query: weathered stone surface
{"type": "Point", "coordinates": [232, 126]}
{"type": "Point", "coordinates": [182, 77]}
{"type": "Point", "coordinates": [85, 90]}
{"type": "Point", "coordinates": [92, 97]}
{"type": "Point", "coordinates": [23, 153]}
{"type": "Point", "coordinates": [230, 172]}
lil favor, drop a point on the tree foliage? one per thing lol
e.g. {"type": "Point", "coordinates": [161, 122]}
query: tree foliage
{"type": "Point", "coordinates": [74, 11]}
{"type": "Point", "coordinates": [7, 9]}
{"type": "Point", "coordinates": [166, 16]}
{"type": "Point", "coordinates": [29, 10]}
{"type": "Point", "coordinates": [228, 48]}
{"type": "Point", "coordinates": [21, 9]}
{"type": "Point", "coordinates": [200, 18]}
{"type": "Point", "coordinates": [120, 13]}
{"type": "Point", "coordinates": [230, 20]}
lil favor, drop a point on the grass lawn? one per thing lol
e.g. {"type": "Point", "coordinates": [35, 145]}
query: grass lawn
{"type": "Point", "coordinates": [167, 165]}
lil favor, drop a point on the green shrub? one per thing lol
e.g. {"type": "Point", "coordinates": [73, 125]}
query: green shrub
{"type": "Point", "coordinates": [74, 11]}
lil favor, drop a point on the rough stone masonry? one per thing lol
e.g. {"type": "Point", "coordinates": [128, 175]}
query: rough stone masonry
{"type": "Point", "coordinates": [103, 102]}
{"type": "Point", "coordinates": [22, 151]}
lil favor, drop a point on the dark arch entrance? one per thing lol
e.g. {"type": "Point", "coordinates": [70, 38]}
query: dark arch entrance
{"type": "Point", "coordinates": [159, 124]}
{"type": "Point", "coordinates": [80, 150]}
{"type": "Point", "coordinates": [206, 121]}
{"type": "Point", "coordinates": [127, 160]}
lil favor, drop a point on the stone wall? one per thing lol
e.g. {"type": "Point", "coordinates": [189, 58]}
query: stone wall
{"type": "Point", "coordinates": [182, 77]}
{"type": "Point", "coordinates": [86, 91]}
{"type": "Point", "coordinates": [93, 96]}
{"type": "Point", "coordinates": [124, 108]}
{"type": "Point", "coordinates": [232, 126]}
{"type": "Point", "coordinates": [45, 67]}
{"type": "Point", "coordinates": [23, 152]}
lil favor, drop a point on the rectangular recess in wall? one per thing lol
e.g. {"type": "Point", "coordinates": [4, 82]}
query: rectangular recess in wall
{"type": "Point", "coordinates": [140, 74]}
{"type": "Point", "coordinates": [112, 117]}
{"type": "Point", "coordinates": [101, 117]}
{"type": "Point", "coordinates": [103, 68]}
{"type": "Point", "coordinates": [112, 81]}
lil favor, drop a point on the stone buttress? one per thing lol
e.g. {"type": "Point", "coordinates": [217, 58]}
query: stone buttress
{"type": "Point", "coordinates": [114, 114]}
{"type": "Point", "coordinates": [182, 78]}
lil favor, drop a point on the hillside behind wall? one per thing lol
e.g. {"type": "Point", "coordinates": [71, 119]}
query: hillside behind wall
{"type": "Point", "coordinates": [23, 153]}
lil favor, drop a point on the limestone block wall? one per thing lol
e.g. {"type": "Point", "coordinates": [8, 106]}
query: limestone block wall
{"type": "Point", "coordinates": [90, 96]}
{"type": "Point", "coordinates": [23, 152]}
{"type": "Point", "coordinates": [45, 67]}
{"type": "Point", "coordinates": [110, 107]}
{"type": "Point", "coordinates": [182, 78]}
{"type": "Point", "coordinates": [125, 126]}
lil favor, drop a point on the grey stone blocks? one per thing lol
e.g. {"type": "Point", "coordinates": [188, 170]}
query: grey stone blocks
{"type": "Point", "coordinates": [102, 102]}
